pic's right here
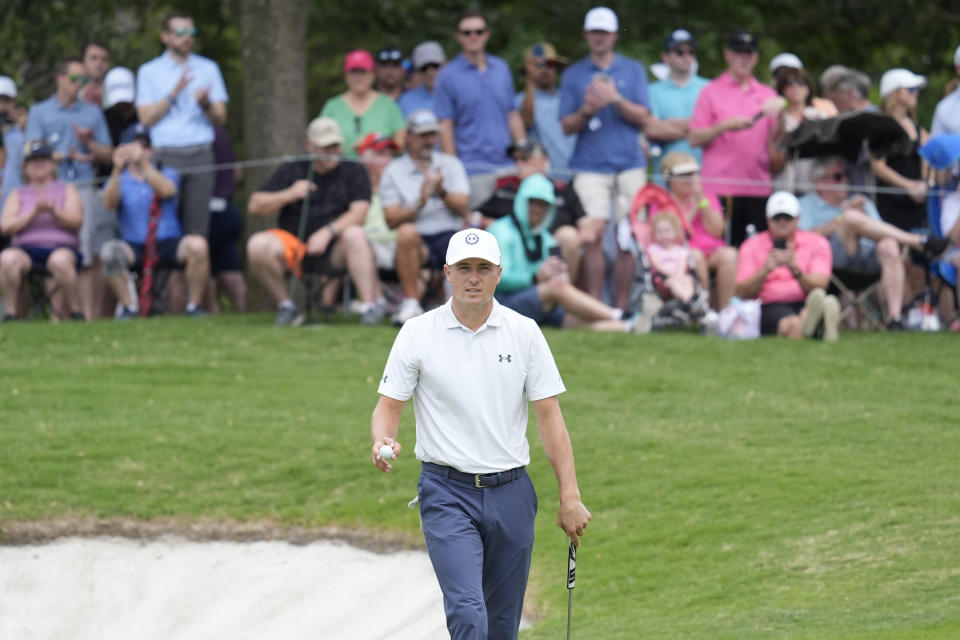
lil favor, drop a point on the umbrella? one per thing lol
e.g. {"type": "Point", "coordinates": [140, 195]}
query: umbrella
{"type": "Point", "coordinates": [844, 135]}
{"type": "Point", "coordinates": [942, 151]}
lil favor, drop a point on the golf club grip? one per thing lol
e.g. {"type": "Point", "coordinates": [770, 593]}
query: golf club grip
{"type": "Point", "coordinates": [572, 566]}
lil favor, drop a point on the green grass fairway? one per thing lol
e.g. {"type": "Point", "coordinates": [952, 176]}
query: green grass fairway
{"type": "Point", "coordinates": [765, 489]}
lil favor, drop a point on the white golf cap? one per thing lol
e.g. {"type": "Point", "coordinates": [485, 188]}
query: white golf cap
{"type": "Point", "coordinates": [785, 60]}
{"type": "Point", "coordinates": [601, 19]}
{"type": "Point", "coordinates": [8, 87]}
{"type": "Point", "coordinates": [119, 85]}
{"type": "Point", "coordinates": [900, 79]}
{"type": "Point", "coordinates": [473, 243]}
{"type": "Point", "coordinates": [783, 202]}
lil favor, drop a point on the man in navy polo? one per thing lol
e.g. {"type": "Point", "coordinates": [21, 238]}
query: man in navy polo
{"type": "Point", "coordinates": [180, 96]}
{"type": "Point", "coordinates": [474, 101]}
{"type": "Point", "coordinates": [78, 134]}
{"type": "Point", "coordinates": [604, 100]}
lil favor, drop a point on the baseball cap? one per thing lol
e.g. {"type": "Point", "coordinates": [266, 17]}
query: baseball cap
{"type": "Point", "coordinates": [546, 51]}
{"type": "Point", "coordinates": [376, 141]}
{"type": "Point", "coordinates": [390, 54]}
{"type": "Point", "coordinates": [35, 149]}
{"type": "Point", "coordinates": [783, 202]}
{"type": "Point", "coordinates": [358, 59]}
{"type": "Point", "coordinates": [135, 131]}
{"type": "Point", "coordinates": [742, 42]}
{"type": "Point", "coordinates": [473, 243]}
{"type": "Point", "coordinates": [601, 19]}
{"type": "Point", "coordinates": [8, 87]}
{"type": "Point", "coordinates": [324, 132]}
{"type": "Point", "coordinates": [422, 121]}
{"type": "Point", "coordinates": [677, 38]}
{"type": "Point", "coordinates": [119, 85]}
{"type": "Point", "coordinates": [429, 52]}
{"type": "Point", "coordinates": [785, 60]}
{"type": "Point", "coordinates": [900, 79]}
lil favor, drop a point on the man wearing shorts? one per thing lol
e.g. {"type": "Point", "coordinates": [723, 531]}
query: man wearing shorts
{"type": "Point", "coordinates": [136, 185]}
{"type": "Point", "coordinates": [338, 198]}
{"type": "Point", "coordinates": [789, 271]}
{"type": "Point", "coordinates": [604, 100]}
{"type": "Point", "coordinates": [425, 196]}
{"type": "Point", "coordinates": [859, 239]}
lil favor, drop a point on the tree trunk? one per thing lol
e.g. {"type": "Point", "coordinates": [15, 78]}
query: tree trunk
{"type": "Point", "coordinates": [273, 44]}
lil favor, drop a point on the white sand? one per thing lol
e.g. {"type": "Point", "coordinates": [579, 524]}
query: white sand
{"type": "Point", "coordinates": [173, 589]}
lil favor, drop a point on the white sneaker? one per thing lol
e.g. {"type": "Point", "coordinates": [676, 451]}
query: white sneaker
{"type": "Point", "coordinates": [409, 308]}
{"type": "Point", "coordinates": [814, 307]}
{"type": "Point", "coordinates": [831, 319]}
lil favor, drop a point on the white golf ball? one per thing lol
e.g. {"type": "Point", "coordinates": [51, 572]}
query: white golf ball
{"type": "Point", "coordinates": [386, 452]}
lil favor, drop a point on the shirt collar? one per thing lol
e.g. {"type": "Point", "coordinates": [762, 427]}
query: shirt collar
{"type": "Point", "coordinates": [495, 319]}
{"type": "Point", "coordinates": [727, 79]}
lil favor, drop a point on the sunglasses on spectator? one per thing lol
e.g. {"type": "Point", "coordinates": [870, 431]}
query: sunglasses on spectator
{"type": "Point", "coordinates": [782, 217]}
{"type": "Point", "coordinates": [836, 176]}
{"type": "Point", "coordinates": [683, 52]}
{"type": "Point", "coordinates": [798, 82]}
{"type": "Point", "coordinates": [76, 77]}
{"type": "Point", "coordinates": [914, 90]}
{"type": "Point", "coordinates": [428, 67]}
{"type": "Point", "coordinates": [192, 31]}
{"type": "Point", "coordinates": [473, 32]}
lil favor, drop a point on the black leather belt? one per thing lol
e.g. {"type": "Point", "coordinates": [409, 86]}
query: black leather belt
{"type": "Point", "coordinates": [479, 480]}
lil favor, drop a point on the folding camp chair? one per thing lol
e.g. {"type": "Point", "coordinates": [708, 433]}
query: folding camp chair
{"type": "Point", "coordinates": [41, 294]}
{"type": "Point", "coordinates": [858, 289]}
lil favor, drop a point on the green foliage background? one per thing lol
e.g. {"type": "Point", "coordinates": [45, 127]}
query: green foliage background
{"type": "Point", "coordinates": [872, 35]}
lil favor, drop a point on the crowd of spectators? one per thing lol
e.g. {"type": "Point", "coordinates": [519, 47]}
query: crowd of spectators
{"type": "Point", "coordinates": [588, 175]}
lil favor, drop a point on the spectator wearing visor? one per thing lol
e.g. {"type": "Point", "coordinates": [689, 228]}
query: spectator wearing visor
{"type": "Point", "coordinates": [539, 104]}
{"type": "Point", "coordinates": [389, 72]}
{"type": "Point", "coordinates": [673, 98]}
{"type": "Point", "coordinates": [361, 109]}
{"type": "Point", "coordinates": [428, 57]}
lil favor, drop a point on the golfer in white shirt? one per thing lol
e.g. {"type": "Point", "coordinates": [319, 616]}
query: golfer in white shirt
{"type": "Point", "coordinates": [471, 366]}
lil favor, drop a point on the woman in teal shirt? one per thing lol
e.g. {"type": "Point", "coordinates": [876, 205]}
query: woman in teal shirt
{"type": "Point", "coordinates": [361, 110]}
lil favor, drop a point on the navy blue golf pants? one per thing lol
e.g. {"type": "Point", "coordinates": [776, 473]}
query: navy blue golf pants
{"type": "Point", "coordinates": [479, 541]}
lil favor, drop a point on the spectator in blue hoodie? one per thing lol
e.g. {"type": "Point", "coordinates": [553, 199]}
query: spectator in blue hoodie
{"type": "Point", "coordinates": [535, 282]}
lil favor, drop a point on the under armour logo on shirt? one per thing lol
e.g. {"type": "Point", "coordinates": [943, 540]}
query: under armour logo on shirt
{"type": "Point", "coordinates": [384, 379]}
{"type": "Point", "coordinates": [504, 358]}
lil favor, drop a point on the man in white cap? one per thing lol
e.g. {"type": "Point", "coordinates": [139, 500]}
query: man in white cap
{"type": "Point", "coordinates": [13, 120]}
{"type": "Point", "coordinates": [604, 100]}
{"type": "Point", "coordinates": [789, 270]}
{"type": "Point", "coordinates": [427, 59]}
{"type": "Point", "coordinates": [946, 118]}
{"type": "Point", "coordinates": [333, 241]}
{"type": "Point", "coordinates": [477, 503]}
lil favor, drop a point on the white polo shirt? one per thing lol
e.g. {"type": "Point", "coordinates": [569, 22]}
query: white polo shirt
{"type": "Point", "coordinates": [470, 390]}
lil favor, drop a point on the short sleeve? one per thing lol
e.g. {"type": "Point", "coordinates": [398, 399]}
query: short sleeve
{"type": "Point", "coordinates": [703, 116]}
{"type": "Point", "coordinates": [34, 126]}
{"type": "Point", "coordinates": [101, 132]}
{"type": "Point", "coordinates": [389, 192]}
{"type": "Point", "coordinates": [639, 92]}
{"type": "Point", "coordinates": [821, 257]}
{"type": "Point", "coordinates": [402, 371]}
{"type": "Point", "coordinates": [147, 91]}
{"type": "Point", "coordinates": [543, 378]}
{"type": "Point", "coordinates": [455, 177]}
{"type": "Point", "coordinates": [395, 118]}
{"type": "Point", "coordinates": [570, 98]}
{"type": "Point", "coordinates": [218, 89]}
{"type": "Point", "coordinates": [443, 106]}
{"type": "Point", "coordinates": [750, 259]}
{"type": "Point", "coordinates": [280, 179]}
{"type": "Point", "coordinates": [358, 183]}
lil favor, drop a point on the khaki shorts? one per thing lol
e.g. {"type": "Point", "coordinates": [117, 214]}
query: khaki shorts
{"type": "Point", "coordinates": [598, 192]}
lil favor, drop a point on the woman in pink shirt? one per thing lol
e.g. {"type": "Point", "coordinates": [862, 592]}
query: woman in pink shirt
{"type": "Point", "coordinates": [681, 174]}
{"type": "Point", "coordinates": [42, 218]}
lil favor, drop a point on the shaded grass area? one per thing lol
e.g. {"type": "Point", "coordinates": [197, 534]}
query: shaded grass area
{"type": "Point", "coordinates": [767, 489]}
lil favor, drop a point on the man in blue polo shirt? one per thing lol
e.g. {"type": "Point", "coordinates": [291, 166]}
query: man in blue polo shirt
{"type": "Point", "coordinates": [78, 134]}
{"type": "Point", "coordinates": [474, 101]}
{"type": "Point", "coordinates": [604, 100]}
{"type": "Point", "coordinates": [180, 96]}
{"type": "Point", "coordinates": [673, 98]}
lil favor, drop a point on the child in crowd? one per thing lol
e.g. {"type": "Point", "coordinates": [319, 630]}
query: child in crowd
{"type": "Point", "coordinates": [670, 258]}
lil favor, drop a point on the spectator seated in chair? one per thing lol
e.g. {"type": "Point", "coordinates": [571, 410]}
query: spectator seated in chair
{"type": "Point", "coordinates": [859, 239]}
{"type": "Point", "coordinates": [146, 198]}
{"type": "Point", "coordinates": [535, 282]}
{"type": "Point", "coordinates": [338, 197]}
{"type": "Point", "coordinates": [789, 270]}
{"type": "Point", "coordinates": [43, 218]}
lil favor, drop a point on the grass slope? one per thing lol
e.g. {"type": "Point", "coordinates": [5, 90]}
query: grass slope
{"type": "Point", "coordinates": [768, 489]}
